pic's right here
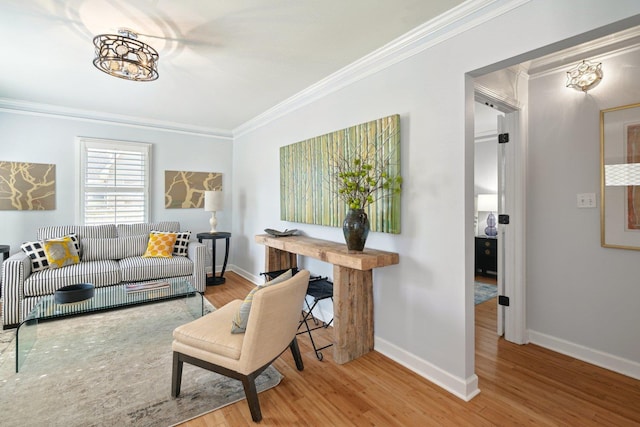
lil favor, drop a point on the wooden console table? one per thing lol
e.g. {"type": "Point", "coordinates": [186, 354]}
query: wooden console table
{"type": "Point", "coordinates": [352, 286]}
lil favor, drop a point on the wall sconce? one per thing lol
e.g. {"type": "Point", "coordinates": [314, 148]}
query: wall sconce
{"type": "Point", "coordinates": [213, 201]}
{"type": "Point", "coordinates": [584, 76]}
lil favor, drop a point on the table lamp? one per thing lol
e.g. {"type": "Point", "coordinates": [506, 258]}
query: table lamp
{"type": "Point", "coordinates": [489, 203]}
{"type": "Point", "coordinates": [213, 201]}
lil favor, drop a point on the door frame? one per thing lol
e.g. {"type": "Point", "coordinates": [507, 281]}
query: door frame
{"type": "Point", "coordinates": [512, 265]}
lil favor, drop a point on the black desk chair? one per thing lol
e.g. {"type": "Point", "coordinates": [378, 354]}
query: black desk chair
{"type": "Point", "coordinates": [319, 288]}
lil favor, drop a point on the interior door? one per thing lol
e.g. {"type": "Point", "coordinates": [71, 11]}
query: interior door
{"type": "Point", "coordinates": [508, 305]}
{"type": "Point", "coordinates": [502, 230]}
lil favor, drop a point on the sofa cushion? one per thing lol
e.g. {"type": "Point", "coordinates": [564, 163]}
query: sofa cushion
{"type": "Point", "coordinates": [38, 255]}
{"type": "Point", "coordinates": [35, 251]}
{"type": "Point", "coordinates": [113, 248]}
{"type": "Point", "coordinates": [125, 230]}
{"type": "Point", "coordinates": [105, 230]}
{"type": "Point", "coordinates": [61, 252]}
{"type": "Point", "coordinates": [160, 245]}
{"type": "Point", "coordinates": [81, 231]}
{"type": "Point", "coordinates": [135, 269]}
{"type": "Point", "coordinates": [100, 273]}
{"type": "Point", "coordinates": [180, 248]}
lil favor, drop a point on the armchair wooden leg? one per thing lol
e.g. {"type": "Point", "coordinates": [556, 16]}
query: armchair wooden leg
{"type": "Point", "coordinates": [176, 376]}
{"type": "Point", "coordinates": [250, 391]}
{"type": "Point", "coordinates": [295, 351]}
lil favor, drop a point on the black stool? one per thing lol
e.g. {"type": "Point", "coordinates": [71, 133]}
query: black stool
{"type": "Point", "coordinates": [319, 288]}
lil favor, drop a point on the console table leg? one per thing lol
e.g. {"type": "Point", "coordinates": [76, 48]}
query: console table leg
{"type": "Point", "coordinates": [276, 259]}
{"type": "Point", "coordinates": [353, 313]}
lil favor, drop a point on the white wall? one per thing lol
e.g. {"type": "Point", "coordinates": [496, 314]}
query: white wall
{"type": "Point", "coordinates": [424, 305]}
{"type": "Point", "coordinates": [46, 139]}
{"type": "Point", "coordinates": [581, 296]}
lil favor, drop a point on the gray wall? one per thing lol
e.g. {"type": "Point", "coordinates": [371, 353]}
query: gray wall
{"type": "Point", "coordinates": [424, 306]}
{"type": "Point", "coordinates": [577, 291]}
{"type": "Point", "coordinates": [43, 139]}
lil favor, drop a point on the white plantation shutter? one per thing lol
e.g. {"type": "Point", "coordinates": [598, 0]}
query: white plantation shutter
{"type": "Point", "coordinates": [114, 181]}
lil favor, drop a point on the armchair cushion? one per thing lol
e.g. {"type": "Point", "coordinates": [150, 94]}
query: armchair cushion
{"type": "Point", "coordinates": [239, 323]}
{"type": "Point", "coordinates": [199, 333]}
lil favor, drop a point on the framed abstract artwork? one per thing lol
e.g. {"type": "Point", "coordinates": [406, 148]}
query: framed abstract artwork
{"type": "Point", "coordinates": [185, 190]}
{"type": "Point", "coordinates": [27, 186]}
{"type": "Point", "coordinates": [308, 190]}
{"type": "Point", "coordinates": [620, 177]}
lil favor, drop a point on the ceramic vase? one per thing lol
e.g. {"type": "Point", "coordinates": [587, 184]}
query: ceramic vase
{"type": "Point", "coordinates": [356, 229]}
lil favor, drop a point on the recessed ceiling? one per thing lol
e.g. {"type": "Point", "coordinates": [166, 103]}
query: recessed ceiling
{"type": "Point", "coordinates": [221, 62]}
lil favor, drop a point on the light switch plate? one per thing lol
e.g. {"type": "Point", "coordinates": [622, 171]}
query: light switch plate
{"type": "Point", "coordinates": [587, 200]}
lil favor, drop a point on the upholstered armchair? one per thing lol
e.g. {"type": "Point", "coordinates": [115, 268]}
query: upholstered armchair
{"type": "Point", "coordinates": [271, 328]}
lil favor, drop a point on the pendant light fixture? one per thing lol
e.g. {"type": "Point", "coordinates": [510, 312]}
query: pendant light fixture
{"type": "Point", "coordinates": [125, 57]}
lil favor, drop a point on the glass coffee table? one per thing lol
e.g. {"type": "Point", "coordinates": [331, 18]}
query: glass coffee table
{"type": "Point", "coordinates": [106, 298]}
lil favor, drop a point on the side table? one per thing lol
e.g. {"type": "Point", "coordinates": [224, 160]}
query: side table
{"type": "Point", "coordinates": [216, 280]}
{"type": "Point", "coordinates": [4, 250]}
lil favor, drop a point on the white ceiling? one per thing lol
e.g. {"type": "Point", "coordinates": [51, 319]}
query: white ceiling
{"type": "Point", "coordinates": [221, 64]}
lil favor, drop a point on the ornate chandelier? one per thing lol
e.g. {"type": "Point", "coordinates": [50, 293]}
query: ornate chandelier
{"type": "Point", "coordinates": [125, 57]}
{"type": "Point", "coordinates": [584, 76]}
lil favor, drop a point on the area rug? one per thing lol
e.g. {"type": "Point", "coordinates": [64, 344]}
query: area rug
{"type": "Point", "coordinates": [110, 369]}
{"type": "Point", "coordinates": [484, 292]}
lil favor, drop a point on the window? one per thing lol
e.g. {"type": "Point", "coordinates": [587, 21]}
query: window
{"type": "Point", "coordinates": [114, 181]}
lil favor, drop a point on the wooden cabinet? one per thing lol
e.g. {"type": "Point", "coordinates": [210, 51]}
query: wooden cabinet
{"type": "Point", "coordinates": [486, 256]}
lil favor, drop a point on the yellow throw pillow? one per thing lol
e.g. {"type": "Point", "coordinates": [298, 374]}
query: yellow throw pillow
{"type": "Point", "coordinates": [160, 245]}
{"type": "Point", "coordinates": [61, 252]}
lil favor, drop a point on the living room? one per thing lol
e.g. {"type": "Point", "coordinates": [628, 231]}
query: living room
{"type": "Point", "coordinates": [580, 297]}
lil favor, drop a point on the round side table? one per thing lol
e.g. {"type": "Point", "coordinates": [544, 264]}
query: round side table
{"type": "Point", "coordinates": [216, 280]}
{"type": "Point", "coordinates": [4, 250]}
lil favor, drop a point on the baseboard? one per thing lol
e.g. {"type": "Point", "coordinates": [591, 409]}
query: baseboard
{"type": "Point", "coordinates": [245, 274]}
{"type": "Point", "coordinates": [465, 389]}
{"type": "Point", "coordinates": [586, 354]}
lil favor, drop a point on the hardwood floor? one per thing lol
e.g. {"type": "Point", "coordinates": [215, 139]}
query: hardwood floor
{"type": "Point", "coordinates": [520, 385]}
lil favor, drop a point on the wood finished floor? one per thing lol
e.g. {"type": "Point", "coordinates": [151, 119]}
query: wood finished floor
{"type": "Point", "coordinates": [520, 385]}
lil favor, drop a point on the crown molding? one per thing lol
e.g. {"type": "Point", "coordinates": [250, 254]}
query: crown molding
{"type": "Point", "coordinates": [493, 99]}
{"type": "Point", "coordinates": [47, 110]}
{"type": "Point", "coordinates": [621, 42]}
{"type": "Point", "coordinates": [455, 21]}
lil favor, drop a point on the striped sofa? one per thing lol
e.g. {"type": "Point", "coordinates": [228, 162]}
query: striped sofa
{"type": "Point", "coordinates": [110, 255]}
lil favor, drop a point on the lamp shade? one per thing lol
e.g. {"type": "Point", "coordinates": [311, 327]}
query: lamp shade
{"type": "Point", "coordinates": [487, 202]}
{"type": "Point", "coordinates": [213, 201]}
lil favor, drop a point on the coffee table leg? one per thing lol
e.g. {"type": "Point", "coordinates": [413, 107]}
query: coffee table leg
{"type": "Point", "coordinates": [26, 336]}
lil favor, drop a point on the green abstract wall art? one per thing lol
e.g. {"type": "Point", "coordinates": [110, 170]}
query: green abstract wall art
{"type": "Point", "coordinates": [308, 191]}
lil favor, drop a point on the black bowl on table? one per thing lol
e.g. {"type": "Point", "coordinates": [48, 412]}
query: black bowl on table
{"type": "Point", "coordinates": [74, 293]}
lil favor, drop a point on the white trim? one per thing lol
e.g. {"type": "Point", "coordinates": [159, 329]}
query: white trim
{"type": "Point", "coordinates": [245, 274]}
{"type": "Point", "coordinates": [46, 110]}
{"type": "Point", "coordinates": [465, 389]}
{"type": "Point", "coordinates": [486, 136]}
{"type": "Point", "coordinates": [85, 143]}
{"type": "Point", "coordinates": [461, 18]}
{"type": "Point", "coordinates": [599, 358]}
{"type": "Point", "coordinates": [616, 44]}
{"type": "Point", "coordinates": [496, 100]}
